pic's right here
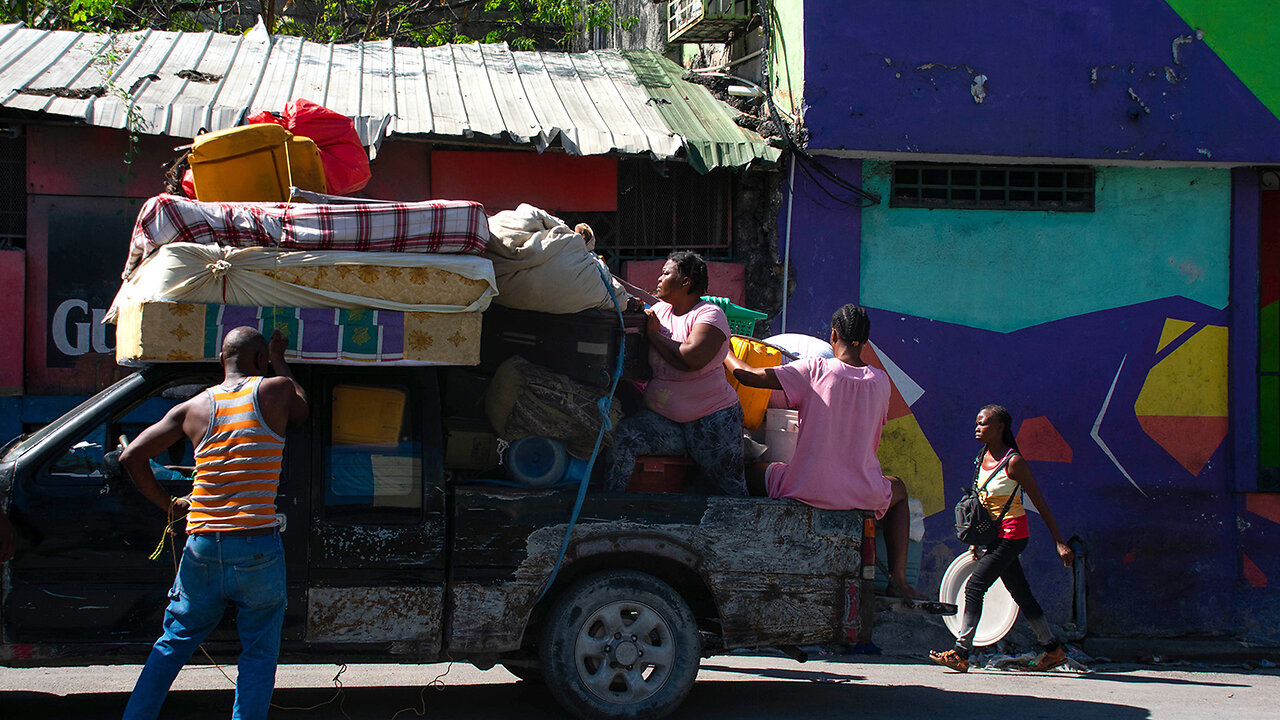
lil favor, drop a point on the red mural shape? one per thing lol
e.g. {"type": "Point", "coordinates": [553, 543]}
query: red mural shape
{"type": "Point", "coordinates": [1252, 573]}
{"type": "Point", "coordinates": [1190, 440]}
{"type": "Point", "coordinates": [1265, 505]}
{"type": "Point", "coordinates": [898, 406]}
{"type": "Point", "coordinates": [1038, 439]}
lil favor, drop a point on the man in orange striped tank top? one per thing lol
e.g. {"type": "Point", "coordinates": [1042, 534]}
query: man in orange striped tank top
{"type": "Point", "coordinates": [233, 552]}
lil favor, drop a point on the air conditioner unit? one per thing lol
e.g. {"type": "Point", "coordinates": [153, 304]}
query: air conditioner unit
{"type": "Point", "coordinates": [705, 21]}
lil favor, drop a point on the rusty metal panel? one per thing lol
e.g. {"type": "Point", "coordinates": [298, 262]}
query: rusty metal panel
{"type": "Point", "coordinates": [778, 570]}
{"type": "Point", "coordinates": [409, 617]}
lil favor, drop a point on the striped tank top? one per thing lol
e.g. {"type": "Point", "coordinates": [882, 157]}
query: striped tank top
{"type": "Point", "coordinates": [995, 493]}
{"type": "Point", "coordinates": [237, 464]}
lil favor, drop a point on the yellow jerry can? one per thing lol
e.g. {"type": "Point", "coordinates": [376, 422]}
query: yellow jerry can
{"type": "Point", "coordinates": [254, 163]}
{"type": "Point", "coordinates": [754, 400]}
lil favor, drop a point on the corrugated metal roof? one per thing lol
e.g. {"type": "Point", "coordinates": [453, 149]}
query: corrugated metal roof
{"type": "Point", "coordinates": [631, 102]}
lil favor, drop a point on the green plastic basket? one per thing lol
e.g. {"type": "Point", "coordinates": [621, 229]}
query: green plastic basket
{"type": "Point", "coordinates": [742, 321]}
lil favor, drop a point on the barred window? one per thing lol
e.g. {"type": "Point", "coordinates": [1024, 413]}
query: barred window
{"type": "Point", "coordinates": [13, 192]}
{"type": "Point", "coordinates": [665, 207]}
{"type": "Point", "coordinates": [992, 187]}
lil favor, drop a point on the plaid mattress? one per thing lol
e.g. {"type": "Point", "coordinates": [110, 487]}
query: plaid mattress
{"type": "Point", "coordinates": [433, 226]}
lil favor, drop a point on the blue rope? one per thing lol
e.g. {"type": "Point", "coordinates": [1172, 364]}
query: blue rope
{"type": "Point", "coordinates": [603, 405]}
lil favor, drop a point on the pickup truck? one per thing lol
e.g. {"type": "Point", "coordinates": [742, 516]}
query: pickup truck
{"type": "Point", "coordinates": [390, 558]}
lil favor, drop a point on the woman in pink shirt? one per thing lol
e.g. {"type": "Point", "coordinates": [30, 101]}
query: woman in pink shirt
{"type": "Point", "coordinates": [843, 403]}
{"type": "Point", "coordinates": [690, 408]}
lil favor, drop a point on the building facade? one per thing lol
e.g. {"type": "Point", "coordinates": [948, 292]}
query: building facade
{"type": "Point", "coordinates": [1076, 215]}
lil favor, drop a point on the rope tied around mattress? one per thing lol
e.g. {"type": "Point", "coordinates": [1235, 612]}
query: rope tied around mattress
{"type": "Point", "coordinates": [603, 405]}
{"type": "Point", "coordinates": [219, 269]}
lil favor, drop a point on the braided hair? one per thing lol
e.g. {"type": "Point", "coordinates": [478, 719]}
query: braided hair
{"type": "Point", "coordinates": [691, 265]}
{"type": "Point", "coordinates": [851, 324]}
{"type": "Point", "coordinates": [998, 412]}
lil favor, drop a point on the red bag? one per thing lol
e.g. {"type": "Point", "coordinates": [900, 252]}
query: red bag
{"type": "Point", "coordinates": [346, 164]}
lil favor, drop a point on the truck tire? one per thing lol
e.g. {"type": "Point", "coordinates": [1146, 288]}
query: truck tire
{"type": "Point", "coordinates": [620, 645]}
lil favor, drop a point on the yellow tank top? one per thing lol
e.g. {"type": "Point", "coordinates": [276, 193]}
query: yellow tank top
{"type": "Point", "coordinates": [994, 491]}
{"type": "Point", "coordinates": [237, 464]}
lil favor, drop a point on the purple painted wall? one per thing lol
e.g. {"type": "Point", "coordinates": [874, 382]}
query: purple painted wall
{"type": "Point", "coordinates": [824, 249]}
{"type": "Point", "coordinates": [1183, 548]}
{"type": "Point", "coordinates": [1066, 80]}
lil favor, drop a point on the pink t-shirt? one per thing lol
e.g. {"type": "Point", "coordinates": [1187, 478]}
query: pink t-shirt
{"type": "Point", "coordinates": [842, 409]}
{"type": "Point", "coordinates": [685, 396]}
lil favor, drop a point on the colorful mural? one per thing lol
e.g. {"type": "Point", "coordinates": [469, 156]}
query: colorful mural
{"type": "Point", "coordinates": [1107, 333]}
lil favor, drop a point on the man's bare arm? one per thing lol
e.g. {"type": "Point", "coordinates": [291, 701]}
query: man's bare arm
{"type": "Point", "coordinates": [136, 458]}
{"type": "Point", "coordinates": [297, 397]}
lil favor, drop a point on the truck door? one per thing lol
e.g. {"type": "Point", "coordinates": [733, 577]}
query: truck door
{"type": "Point", "coordinates": [377, 538]}
{"type": "Point", "coordinates": [82, 574]}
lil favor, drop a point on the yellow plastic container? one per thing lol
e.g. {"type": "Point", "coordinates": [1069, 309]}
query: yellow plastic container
{"type": "Point", "coordinates": [254, 163]}
{"type": "Point", "coordinates": [754, 400]}
{"type": "Point", "coordinates": [367, 415]}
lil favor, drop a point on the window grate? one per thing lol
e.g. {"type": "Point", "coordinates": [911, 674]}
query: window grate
{"type": "Point", "coordinates": [662, 208]}
{"type": "Point", "coordinates": [992, 187]}
{"type": "Point", "coordinates": [13, 192]}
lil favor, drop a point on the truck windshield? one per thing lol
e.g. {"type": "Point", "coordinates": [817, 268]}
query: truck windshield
{"type": "Point", "coordinates": [123, 385]}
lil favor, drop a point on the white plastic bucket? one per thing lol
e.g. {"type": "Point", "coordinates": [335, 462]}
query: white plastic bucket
{"type": "Point", "coordinates": [781, 429]}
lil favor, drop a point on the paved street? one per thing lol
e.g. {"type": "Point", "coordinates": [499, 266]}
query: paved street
{"type": "Point", "coordinates": [736, 687]}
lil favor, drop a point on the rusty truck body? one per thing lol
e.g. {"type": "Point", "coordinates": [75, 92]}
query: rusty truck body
{"type": "Point", "coordinates": [392, 559]}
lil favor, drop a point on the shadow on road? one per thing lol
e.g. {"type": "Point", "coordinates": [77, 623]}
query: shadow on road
{"type": "Point", "coordinates": [709, 700]}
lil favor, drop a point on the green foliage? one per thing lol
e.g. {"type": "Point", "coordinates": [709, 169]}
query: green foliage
{"type": "Point", "coordinates": [524, 24]}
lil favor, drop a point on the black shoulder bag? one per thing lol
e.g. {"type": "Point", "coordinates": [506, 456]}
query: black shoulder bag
{"type": "Point", "coordinates": [974, 525]}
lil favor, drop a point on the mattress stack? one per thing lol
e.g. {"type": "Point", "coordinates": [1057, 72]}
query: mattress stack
{"type": "Point", "coordinates": [347, 283]}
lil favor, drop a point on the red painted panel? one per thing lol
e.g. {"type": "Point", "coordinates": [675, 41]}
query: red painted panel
{"type": "Point", "coordinates": [76, 247]}
{"type": "Point", "coordinates": [402, 171]}
{"type": "Point", "coordinates": [1269, 246]}
{"type": "Point", "coordinates": [502, 180]}
{"type": "Point", "coordinates": [86, 160]}
{"type": "Point", "coordinates": [724, 279]}
{"type": "Point", "coordinates": [12, 278]}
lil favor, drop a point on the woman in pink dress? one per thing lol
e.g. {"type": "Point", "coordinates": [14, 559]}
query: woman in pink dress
{"type": "Point", "coordinates": [690, 408]}
{"type": "Point", "coordinates": [843, 403]}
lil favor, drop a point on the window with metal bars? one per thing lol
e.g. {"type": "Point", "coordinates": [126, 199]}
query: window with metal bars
{"type": "Point", "coordinates": [13, 192]}
{"type": "Point", "coordinates": [992, 187]}
{"type": "Point", "coordinates": [666, 207]}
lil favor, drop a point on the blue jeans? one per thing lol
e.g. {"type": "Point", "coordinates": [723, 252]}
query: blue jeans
{"type": "Point", "coordinates": [217, 569]}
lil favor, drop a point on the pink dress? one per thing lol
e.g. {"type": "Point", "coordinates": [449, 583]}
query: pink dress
{"type": "Point", "coordinates": [687, 396]}
{"type": "Point", "coordinates": [842, 409]}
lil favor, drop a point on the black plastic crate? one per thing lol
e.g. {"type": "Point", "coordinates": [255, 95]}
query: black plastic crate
{"type": "Point", "coordinates": [582, 345]}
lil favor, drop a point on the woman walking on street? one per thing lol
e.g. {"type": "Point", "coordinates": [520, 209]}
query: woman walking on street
{"type": "Point", "coordinates": [1003, 476]}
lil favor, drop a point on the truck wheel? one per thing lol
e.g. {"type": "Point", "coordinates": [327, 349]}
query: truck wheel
{"type": "Point", "coordinates": [620, 645]}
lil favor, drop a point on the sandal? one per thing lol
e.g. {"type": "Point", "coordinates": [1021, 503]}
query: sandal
{"type": "Point", "coordinates": [1049, 660]}
{"type": "Point", "coordinates": [951, 659]}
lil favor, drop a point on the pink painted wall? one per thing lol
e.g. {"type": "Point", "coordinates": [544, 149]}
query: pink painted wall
{"type": "Point", "coordinates": [725, 279]}
{"type": "Point", "coordinates": [13, 280]}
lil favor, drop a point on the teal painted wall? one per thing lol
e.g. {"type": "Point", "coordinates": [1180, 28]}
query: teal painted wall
{"type": "Point", "coordinates": [1154, 234]}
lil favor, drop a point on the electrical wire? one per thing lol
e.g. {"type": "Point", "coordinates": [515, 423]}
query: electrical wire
{"type": "Point", "coordinates": [818, 173]}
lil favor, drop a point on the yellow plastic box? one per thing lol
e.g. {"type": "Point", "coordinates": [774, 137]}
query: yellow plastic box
{"type": "Point", "coordinates": [754, 400]}
{"type": "Point", "coordinates": [254, 163]}
{"type": "Point", "coordinates": [367, 415]}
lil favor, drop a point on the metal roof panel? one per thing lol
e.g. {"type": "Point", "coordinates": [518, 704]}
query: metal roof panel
{"type": "Point", "coordinates": [631, 102]}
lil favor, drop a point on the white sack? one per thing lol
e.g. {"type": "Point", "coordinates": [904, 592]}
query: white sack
{"type": "Point", "coordinates": [195, 273]}
{"type": "Point", "coordinates": [541, 264]}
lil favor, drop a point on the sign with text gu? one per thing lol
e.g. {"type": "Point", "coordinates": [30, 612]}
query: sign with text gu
{"type": "Point", "coordinates": [75, 252]}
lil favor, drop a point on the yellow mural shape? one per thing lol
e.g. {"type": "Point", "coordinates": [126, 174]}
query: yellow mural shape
{"type": "Point", "coordinates": [1172, 330]}
{"type": "Point", "coordinates": [906, 452]}
{"type": "Point", "coordinates": [1191, 381]}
